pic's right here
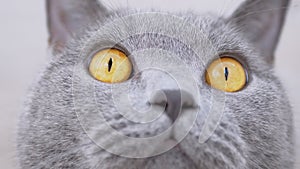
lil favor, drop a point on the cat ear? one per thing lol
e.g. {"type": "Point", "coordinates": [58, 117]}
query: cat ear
{"type": "Point", "coordinates": [66, 17]}
{"type": "Point", "coordinates": [261, 21]}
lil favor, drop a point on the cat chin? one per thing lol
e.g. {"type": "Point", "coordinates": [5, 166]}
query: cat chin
{"type": "Point", "coordinates": [174, 158]}
{"type": "Point", "coordinates": [204, 156]}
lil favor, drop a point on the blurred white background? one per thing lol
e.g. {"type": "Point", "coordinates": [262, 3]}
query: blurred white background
{"type": "Point", "coordinates": [23, 43]}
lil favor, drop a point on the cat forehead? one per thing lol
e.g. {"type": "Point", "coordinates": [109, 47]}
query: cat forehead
{"type": "Point", "coordinates": [201, 33]}
{"type": "Point", "coordinates": [183, 26]}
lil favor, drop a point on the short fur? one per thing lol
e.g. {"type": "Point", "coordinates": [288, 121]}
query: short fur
{"type": "Point", "coordinates": [256, 126]}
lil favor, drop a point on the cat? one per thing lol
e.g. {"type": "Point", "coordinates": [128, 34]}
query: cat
{"type": "Point", "coordinates": [157, 101]}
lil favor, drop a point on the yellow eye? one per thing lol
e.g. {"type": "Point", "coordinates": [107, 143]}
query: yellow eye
{"type": "Point", "coordinates": [110, 66]}
{"type": "Point", "coordinates": [226, 74]}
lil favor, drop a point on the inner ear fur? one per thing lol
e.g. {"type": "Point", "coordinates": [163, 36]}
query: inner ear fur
{"type": "Point", "coordinates": [65, 18]}
{"type": "Point", "coordinates": [261, 22]}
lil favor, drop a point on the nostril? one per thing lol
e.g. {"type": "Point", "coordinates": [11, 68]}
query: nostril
{"type": "Point", "coordinates": [173, 101]}
{"type": "Point", "coordinates": [166, 107]}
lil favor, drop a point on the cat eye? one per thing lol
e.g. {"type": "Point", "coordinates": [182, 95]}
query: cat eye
{"type": "Point", "coordinates": [226, 74]}
{"type": "Point", "coordinates": [110, 66]}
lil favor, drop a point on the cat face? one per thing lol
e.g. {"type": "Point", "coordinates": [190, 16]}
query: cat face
{"type": "Point", "coordinates": [167, 111]}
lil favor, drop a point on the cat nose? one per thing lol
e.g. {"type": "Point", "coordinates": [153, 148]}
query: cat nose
{"type": "Point", "coordinates": [174, 101]}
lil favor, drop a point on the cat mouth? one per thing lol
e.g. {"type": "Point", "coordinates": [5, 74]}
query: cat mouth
{"type": "Point", "coordinates": [179, 149]}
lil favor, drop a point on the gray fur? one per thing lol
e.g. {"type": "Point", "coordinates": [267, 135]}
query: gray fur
{"type": "Point", "coordinates": [256, 126]}
{"type": "Point", "coordinates": [262, 22]}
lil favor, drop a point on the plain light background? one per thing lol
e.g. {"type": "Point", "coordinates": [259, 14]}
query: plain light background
{"type": "Point", "coordinates": [23, 47]}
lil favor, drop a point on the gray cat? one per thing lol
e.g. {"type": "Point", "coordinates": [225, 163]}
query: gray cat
{"type": "Point", "coordinates": [132, 89]}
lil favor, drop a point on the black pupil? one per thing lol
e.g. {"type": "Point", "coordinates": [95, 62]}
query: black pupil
{"type": "Point", "coordinates": [110, 62]}
{"type": "Point", "coordinates": [226, 72]}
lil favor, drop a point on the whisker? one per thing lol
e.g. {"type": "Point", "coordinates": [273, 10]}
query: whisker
{"type": "Point", "coordinates": [251, 4]}
{"type": "Point", "coordinates": [224, 7]}
{"type": "Point", "coordinates": [63, 155]}
{"type": "Point", "coordinates": [112, 5]}
{"type": "Point", "coordinates": [260, 12]}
